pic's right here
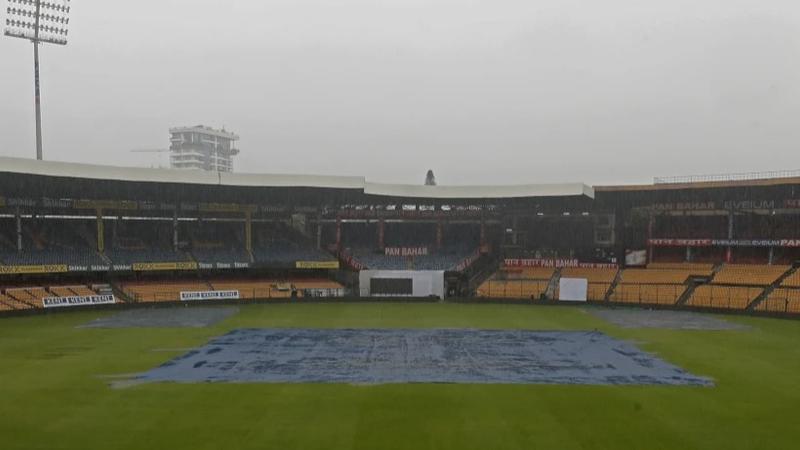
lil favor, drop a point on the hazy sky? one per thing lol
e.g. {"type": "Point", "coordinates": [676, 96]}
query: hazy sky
{"type": "Point", "coordinates": [480, 91]}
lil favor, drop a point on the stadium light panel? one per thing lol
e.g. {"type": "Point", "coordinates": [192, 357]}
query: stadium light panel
{"type": "Point", "coordinates": [38, 20]}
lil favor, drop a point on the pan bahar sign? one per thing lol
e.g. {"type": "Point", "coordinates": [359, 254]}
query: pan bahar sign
{"type": "Point", "coordinates": [60, 302]}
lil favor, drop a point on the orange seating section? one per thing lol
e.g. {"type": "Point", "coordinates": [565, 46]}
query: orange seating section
{"type": "Point", "coordinates": [649, 294]}
{"type": "Point", "coordinates": [62, 291]}
{"type": "Point", "coordinates": [513, 288]}
{"type": "Point", "coordinates": [749, 274]}
{"type": "Point", "coordinates": [31, 297]}
{"type": "Point", "coordinates": [693, 268]}
{"type": "Point", "coordinates": [23, 296]}
{"type": "Point", "coordinates": [529, 273]}
{"type": "Point", "coordinates": [10, 304]}
{"type": "Point", "coordinates": [162, 291]}
{"type": "Point", "coordinates": [659, 284]}
{"type": "Point", "coordinates": [792, 280]}
{"type": "Point", "coordinates": [655, 276]}
{"type": "Point", "coordinates": [781, 300]}
{"type": "Point", "coordinates": [724, 297]}
{"type": "Point", "coordinates": [82, 290]}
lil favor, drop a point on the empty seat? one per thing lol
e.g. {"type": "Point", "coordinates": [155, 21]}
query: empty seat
{"type": "Point", "coordinates": [792, 280]}
{"type": "Point", "coordinates": [781, 300]}
{"type": "Point", "coordinates": [648, 294]}
{"type": "Point", "coordinates": [513, 288]}
{"type": "Point", "coordinates": [723, 297]}
{"type": "Point", "coordinates": [702, 269]}
{"type": "Point", "coordinates": [655, 276]}
{"type": "Point", "coordinates": [749, 274]}
{"type": "Point", "coordinates": [162, 292]}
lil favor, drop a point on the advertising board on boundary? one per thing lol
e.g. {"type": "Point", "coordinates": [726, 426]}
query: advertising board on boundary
{"type": "Point", "coordinates": [60, 302]}
{"type": "Point", "coordinates": [317, 264]}
{"type": "Point", "coordinates": [680, 242]}
{"type": "Point", "coordinates": [556, 263]}
{"type": "Point", "coordinates": [49, 268]}
{"type": "Point", "coordinates": [187, 296]}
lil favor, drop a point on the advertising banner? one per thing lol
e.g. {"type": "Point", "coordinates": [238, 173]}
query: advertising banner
{"type": "Point", "coordinates": [406, 251]}
{"type": "Point", "coordinates": [636, 257]}
{"type": "Point", "coordinates": [187, 296]}
{"type": "Point", "coordinates": [556, 263]}
{"type": "Point", "coordinates": [677, 242]}
{"type": "Point", "coordinates": [317, 264]}
{"type": "Point", "coordinates": [146, 267]}
{"type": "Point", "coordinates": [49, 268]}
{"type": "Point", "coordinates": [61, 302]}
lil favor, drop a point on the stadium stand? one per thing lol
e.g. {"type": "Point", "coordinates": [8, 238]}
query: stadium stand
{"type": "Point", "coordinates": [32, 296]}
{"type": "Point", "coordinates": [793, 280]}
{"type": "Point", "coordinates": [49, 242]}
{"type": "Point", "coordinates": [529, 282]}
{"type": "Point", "coordinates": [249, 289]}
{"type": "Point", "coordinates": [658, 284]}
{"type": "Point", "coordinates": [749, 274]}
{"type": "Point", "coordinates": [723, 297]}
{"type": "Point", "coordinates": [218, 242]}
{"type": "Point", "coordinates": [284, 252]}
{"type": "Point", "coordinates": [519, 288]}
{"type": "Point", "coordinates": [154, 292]}
{"type": "Point", "coordinates": [781, 301]}
{"type": "Point", "coordinates": [60, 234]}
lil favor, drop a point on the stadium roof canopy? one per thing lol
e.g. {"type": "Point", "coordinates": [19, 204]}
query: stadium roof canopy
{"type": "Point", "coordinates": [139, 176]}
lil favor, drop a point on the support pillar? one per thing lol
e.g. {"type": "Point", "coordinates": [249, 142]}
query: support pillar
{"type": "Point", "coordinates": [483, 233]}
{"type": "Point", "coordinates": [514, 226]}
{"type": "Point", "coordinates": [729, 250]}
{"type": "Point", "coordinates": [18, 218]}
{"type": "Point", "coordinates": [248, 231]}
{"type": "Point", "coordinates": [771, 255]}
{"type": "Point", "coordinates": [338, 234]}
{"type": "Point", "coordinates": [439, 234]}
{"type": "Point", "coordinates": [175, 230]}
{"type": "Point", "coordinates": [650, 224]}
{"type": "Point", "coordinates": [319, 234]}
{"type": "Point", "coordinates": [381, 234]}
{"type": "Point", "coordinates": [688, 254]}
{"type": "Point", "coordinates": [101, 235]}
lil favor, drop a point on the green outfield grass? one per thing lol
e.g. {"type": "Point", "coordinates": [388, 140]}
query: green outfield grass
{"type": "Point", "coordinates": [53, 394]}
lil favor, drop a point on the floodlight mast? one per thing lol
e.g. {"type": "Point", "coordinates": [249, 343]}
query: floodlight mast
{"type": "Point", "coordinates": [28, 19]}
{"type": "Point", "coordinates": [37, 91]}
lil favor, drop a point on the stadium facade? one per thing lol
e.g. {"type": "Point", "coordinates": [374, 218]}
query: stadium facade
{"type": "Point", "coordinates": [76, 231]}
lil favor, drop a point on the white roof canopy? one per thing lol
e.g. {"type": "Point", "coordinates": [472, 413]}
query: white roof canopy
{"type": "Point", "coordinates": [136, 174]}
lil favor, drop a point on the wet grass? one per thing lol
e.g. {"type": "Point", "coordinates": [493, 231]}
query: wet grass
{"type": "Point", "coordinates": [54, 390]}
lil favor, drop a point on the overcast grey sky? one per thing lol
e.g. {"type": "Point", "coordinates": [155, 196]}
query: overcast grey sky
{"type": "Point", "coordinates": [481, 91]}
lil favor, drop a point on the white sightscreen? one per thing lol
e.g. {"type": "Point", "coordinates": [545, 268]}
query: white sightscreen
{"type": "Point", "coordinates": [573, 289]}
{"type": "Point", "coordinates": [424, 283]}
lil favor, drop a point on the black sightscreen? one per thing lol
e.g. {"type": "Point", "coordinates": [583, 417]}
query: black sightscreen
{"type": "Point", "coordinates": [391, 286]}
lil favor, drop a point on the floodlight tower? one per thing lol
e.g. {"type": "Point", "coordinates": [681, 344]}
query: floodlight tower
{"type": "Point", "coordinates": [40, 21]}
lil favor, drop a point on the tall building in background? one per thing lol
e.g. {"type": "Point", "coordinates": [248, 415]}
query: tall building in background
{"type": "Point", "coordinates": [202, 147]}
